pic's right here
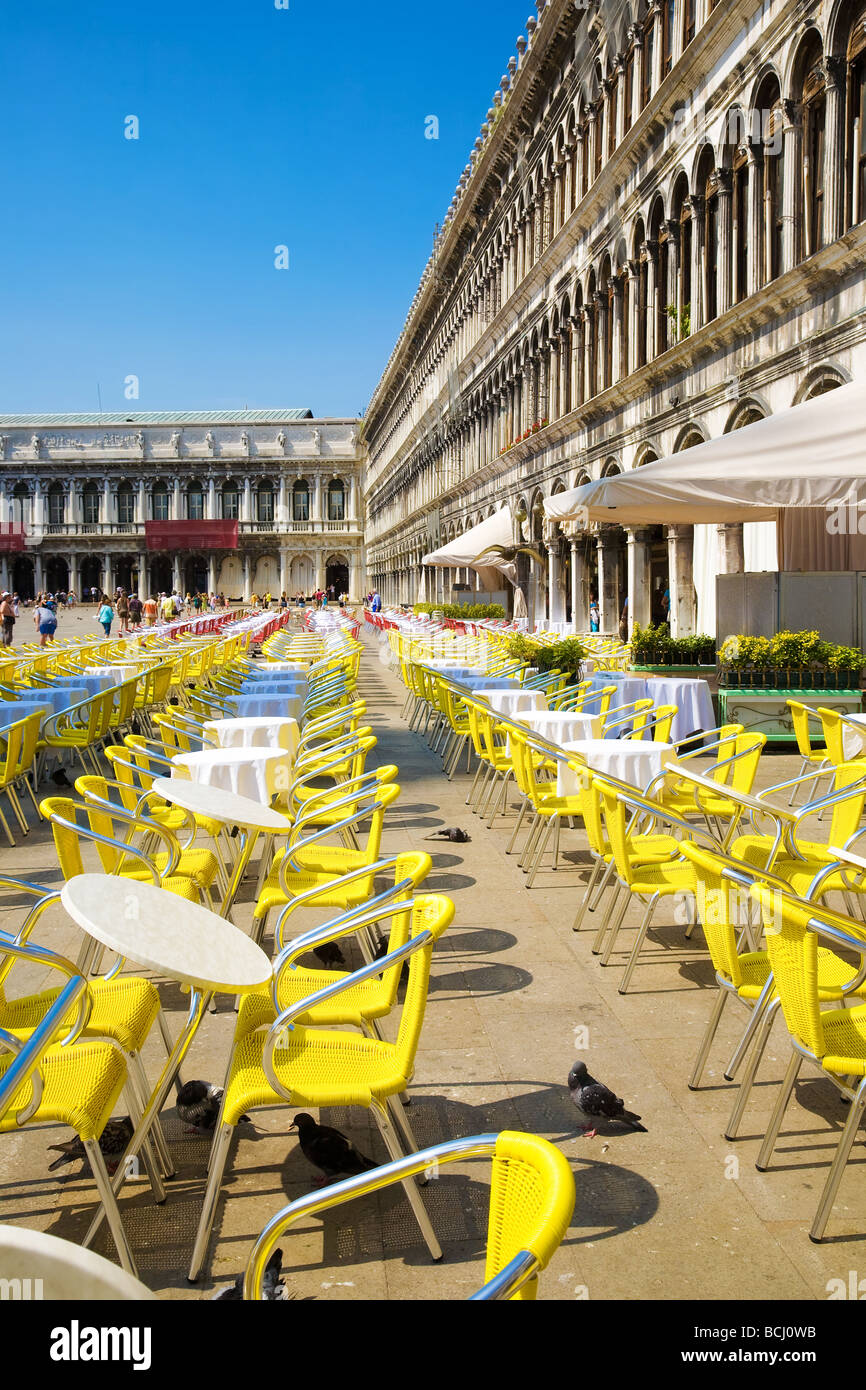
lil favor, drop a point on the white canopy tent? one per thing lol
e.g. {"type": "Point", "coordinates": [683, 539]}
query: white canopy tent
{"type": "Point", "coordinates": [809, 456]}
{"type": "Point", "coordinates": [467, 551]}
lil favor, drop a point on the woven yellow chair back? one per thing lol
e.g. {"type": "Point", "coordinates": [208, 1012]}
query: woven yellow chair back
{"type": "Point", "coordinates": [66, 842]}
{"type": "Point", "coordinates": [431, 912]}
{"type": "Point", "coordinates": [802, 727]}
{"type": "Point", "coordinates": [719, 904]}
{"type": "Point", "coordinates": [532, 1198]}
{"type": "Point", "coordinates": [793, 953]}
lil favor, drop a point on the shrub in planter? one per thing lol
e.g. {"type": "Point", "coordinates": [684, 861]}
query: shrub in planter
{"type": "Point", "coordinates": [567, 655]}
{"type": "Point", "coordinates": [523, 648]}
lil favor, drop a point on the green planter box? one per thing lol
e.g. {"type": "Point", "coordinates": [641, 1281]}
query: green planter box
{"type": "Point", "coordinates": [766, 711]}
{"type": "Point", "coordinates": [702, 673]}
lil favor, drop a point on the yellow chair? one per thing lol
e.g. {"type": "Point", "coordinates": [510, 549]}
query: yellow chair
{"type": "Point", "coordinates": [76, 1084]}
{"type": "Point", "coordinates": [816, 759]}
{"type": "Point", "coordinates": [649, 882]}
{"type": "Point", "coordinates": [289, 1064]}
{"type": "Point", "coordinates": [532, 1195]}
{"type": "Point", "coordinates": [833, 1040]}
{"type": "Point", "coordinates": [17, 762]}
{"type": "Point", "coordinates": [80, 730]}
{"type": "Point", "coordinates": [738, 755]}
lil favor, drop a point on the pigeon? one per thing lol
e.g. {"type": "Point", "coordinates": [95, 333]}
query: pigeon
{"type": "Point", "coordinates": [273, 1288]}
{"type": "Point", "coordinates": [113, 1142]}
{"type": "Point", "coordinates": [329, 954]}
{"type": "Point", "coordinates": [455, 834]}
{"type": "Point", "coordinates": [60, 779]}
{"type": "Point", "coordinates": [198, 1105]}
{"type": "Point", "coordinates": [329, 1150]}
{"type": "Point", "coordinates": [595, 1102]}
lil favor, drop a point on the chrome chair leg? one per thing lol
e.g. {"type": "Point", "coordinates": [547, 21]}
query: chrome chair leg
{"type": "Point", "coordinates": [778, 1114]}
{"type": "Point", "coordinates": [732, 1129]}
{"type": "Point", "coordinates": [837, 1167]}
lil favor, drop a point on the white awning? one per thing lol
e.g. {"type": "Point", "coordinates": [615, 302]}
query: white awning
{"type": "Point", "coordinates": [809, 455]}
{"type": "Point", "coordinates": [468, 551]}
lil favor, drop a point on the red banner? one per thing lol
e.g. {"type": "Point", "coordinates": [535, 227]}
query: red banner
{"type": "Point", "coordinates": [191, 535]}
{"type": "Point", "coordinates": [11, 536]}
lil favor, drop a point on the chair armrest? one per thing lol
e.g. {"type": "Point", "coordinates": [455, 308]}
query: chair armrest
{"type": "Point", "coordinates": [376, 910]}
{"type": "Point", "coordinates": [310, 895]}
{"type": "Point", "coordinates": [29, 1052]}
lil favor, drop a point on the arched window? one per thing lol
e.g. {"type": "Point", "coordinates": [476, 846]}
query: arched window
{"type": "Point", "coordinates": [265, 502]}
{"type": "Point", "coordinates": [592, 345]}
{"type": "Point", "coordinates": [125, 504]}
{"type": "Point", "coordinates": [855, 163]}
{"type": "Point", "coordinates": [56, 504]}
{"type": "Point", "coordinates": [230, 500]}
{"type": "Point", "coordinates": [662, 240]}
{"type": "Point", "coordinates": [772, 177]}
{"type": "Point", "coordinates": [683, 212]}
{"type": "Point", "coordinates": [814, 109]}
{"type": "Point", "coordinates": [690, 21]}
{"type": "Point", "coordinates": [195, 502]}
{"type": "Point", "coordinates": [336, 501]}
{"type": "Point", "coordinates": [646, 76]}
{"type": "Point", "coordinates": [612, 111]}
{"type": "Point", "coordinates": [708, 189]}
{"type": "Point", "coordinates": [598, 133]}
{"type": "Point", "coordinates": [642, 258]}
{"type": "Point", "coordinates": [624, 283]}
{"type": "Point", "coordinates": [668, 32]}
{"type": "Point", "coordinates": [90, 504]}
{"type": "Point", "coordinates": [607, 326]}
{"type": "Point", "coordinates": [628, 84]}
{"type": "Point", "coordinates": [160, 502]}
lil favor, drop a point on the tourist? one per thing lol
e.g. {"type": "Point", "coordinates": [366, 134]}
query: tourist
{"type": "Point", "coordinates": [105, 615]}
{"type": "Point", "coordinates": [16, 603]}
{"type": "Point", "coordinates": [594, 615]}
{"type": "Point", "coordinates": [135, 611]}
{"type": "Point", "coordinates": [376, 605]}
{"type": "Point", "coordinates": [45, 620]}
{"type": "Point", "coordinates": [94, 595]}
{"type": "Point", "coordinates": [284, 599]}
{"type": "Point", "coordinates": [71, 600]}
{"type": "Point", "coordinates": [123, 611]}
{"type": "Point", "coordinates": [151, 611]}
{"type": "Point", "coordinates": [8, 614]}
{"type": "Point", "coordinates": [623, 623]}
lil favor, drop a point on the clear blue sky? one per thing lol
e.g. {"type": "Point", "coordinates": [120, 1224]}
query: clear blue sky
{"type": "Point", "coordinates": [258, 127]}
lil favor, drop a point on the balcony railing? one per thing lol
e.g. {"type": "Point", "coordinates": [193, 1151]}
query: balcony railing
{"type": "Point", "coordinates": [82, 529]}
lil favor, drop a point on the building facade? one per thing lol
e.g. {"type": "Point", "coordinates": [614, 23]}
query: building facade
{"type": "Point", "coordinates": [659, 238]}
{"type": "Point", "coordinates": [236, 502]}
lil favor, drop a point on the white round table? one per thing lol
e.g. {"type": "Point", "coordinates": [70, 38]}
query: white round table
{"type": "Point", "coordinates": [258, 773]}
{"type": "Point", "coordinates": [627, 760]}
{"type": "Point", "coordinates": [516, 702]}
{"type": "Point", "coordinates": [252, 818]}
{"type": "Point", "coordinates": [693, 701]}
{"type": "Point", "coordinates": [277, 706]}
{"type": "Point", "coordinates": [177, 939]}
{"type": "Point", "coordinates": [853, 739]}
{"type": "Point", "coordinates": [254, 733]}
{"type": "Point", "coordinates": [64, 1272]}
{"type": "Point", "coordinates": [560, 726]}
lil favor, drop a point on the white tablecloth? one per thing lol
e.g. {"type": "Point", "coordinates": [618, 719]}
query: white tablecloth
{"type": "Point", "coordinates": [94, 685]}
{"type": "Point", "coordinates": [627, 689]}
{"type": "Point", "coordinates": [515, 702]}
{"type": "Point", "coordinates": [54, 701]}
{"type": "Point", "coordinates": [291, 685]}
{"type": "Point", "coordinates": [278, 706]}
{"type": "Point", "coordinates": [560, 726]}
{"type": "Point", "coordinates": [488, 683]}
{"type": "Point", "coordinates": [693, 701]}
{"type": "Point", "coordinates": [255, 733]}
{"type": "Point", "coordinates": [269, 668]}
{"type": "Point", "coordinates": [253, 772]}
{"type": "Point", "coordinates": [629, 760]}
{"type": "Point", "coordinates": [114, 673]}
{"type": "Point", "coordinates": [853, 740]}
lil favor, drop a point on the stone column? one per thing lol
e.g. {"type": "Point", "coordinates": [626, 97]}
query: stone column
{"type": "Point", "coordinates": [176, 576]}
{"type": "Point", "coordinates": [107, 503]}
{"type": "Point", "coordinates": [579, 588]}
{"type": "Point", "coordinates": [731, 553]}
{"type": "Point", "coordinates": [211, 503]}
{"type": "Point", "coordinates": [696, 203]}
{"type": "Point", "coordinates": [792, 137]}
{"type": "Point", "coordinates": [73, 575]}
{"type": "Point", "coordinates": [552, 580]}
{"type": "Point", "coordinates": [563, 358]}
{"type": "Point", "coordinates": [834, 148]}
{"type": "Point", "coordinates": [284, 570]}
{"type": "Point", "coordinates": [619, 133]}
{"type": "Point", "coordinates": [580, 166]}
{"type": "Point", "coordinates": [590, 386]}
{"type": "Point", "coordinates": [608, 550]}
{"type": "Point", "coordinates": [248, 576]}
{"type": "Point", "coordinates": [636, 35]}
{"type": "Point", "coordinates": [542, 405]}
{"type": "Point", "coordinates": [657, 46]}
{"type": "Point", "coordinates": [616, 368]}
{"type": "Point", "coordinates": [212, 574]}
{"type": "Point", "coordinates": [593, 134]}
{"type": "Point", "coordinates": [576, 364]}
{"type": "Point", "coordinates": [317, 515]}
{"type": "Point", "coordinates": [755, 219]}
{"type": "Point", "coordinates": [681, 580]}
{"type": "Point", "coordinates": [141, 513]}
{"type": "Point", "coordinates": [633, 270]}
{"type": "Point", "coordinates": [175, 509]}
{"type": "Point", "coordinates": [638, 582]}
{"type": "Point", "coordinates": [247, 513]}
{"type": "Point", "coordinates": [320, 570]}
{"type": "Point", "coordinates": [38, 572]}
{"type": "Point", "coordinates": [723, 257]}
{"type": "Point", "coordinates": [107, 574]}
{"type": "Point", "coordinates": [568, 201]}
{"type": "Point", "coordinates": [652, 292]}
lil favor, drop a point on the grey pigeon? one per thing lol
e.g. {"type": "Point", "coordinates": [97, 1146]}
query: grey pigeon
{"type": "Point", "coordinates": [595, 1102]}
{"type": "Point", "coordinates": [454, 834]}
{"type": "Point", "coordinates": [273, 1288]}
{"type": "Point", "coordinates": [329, 1150]}
{"type": "Point", "coordinates": [113, 1142]}
{"type": "Point", "coordinates": [198, 1105]}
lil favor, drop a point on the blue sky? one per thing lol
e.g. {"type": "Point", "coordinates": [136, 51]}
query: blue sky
{"type": "Point", "coordinates": [259, 127]}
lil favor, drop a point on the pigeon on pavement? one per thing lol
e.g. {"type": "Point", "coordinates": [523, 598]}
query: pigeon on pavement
{"type": "Point", "coordinates": [595, 1102]}
{"type": "Point", "coordinates": [198, 1105]}
{"type": "Point", "coordinates": [454, 833]}
{"type": "Point", "coordinates": [329, 1150]}
{"type": "Point", "coordinates": [273, 1288]}
{"type": "Point", "coordinates": [113, 1142]}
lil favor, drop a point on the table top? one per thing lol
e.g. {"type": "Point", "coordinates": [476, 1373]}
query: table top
{"type": "Point", "coordinates": [165, 933]}
{"type": "Point", "coordinates": [224, 756]}
{"type": "Point", "coordinates": [220, 805]}
{"type": "Point", "coordinates": [66, 1271]}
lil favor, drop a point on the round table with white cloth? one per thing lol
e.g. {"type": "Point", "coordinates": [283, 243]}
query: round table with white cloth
{"type": "Point", "coordinates": [116, 673]}
{"type": "Point", "coordinates": [290, 685]}
{"type": "Point", "coordinates": [256, 773]}
{"type": "Point", "coordinates": [560, 726]}
{"type": "Point", "coordinates": [693, 701]}
{"type": "Point", "coordinates": [516, 702]}
{"type": "Point", "coordinates": [276, 706]}
{"type": "Point", "coordinates": [254, 733]}
{"type": "Point", "coordinates": [481, 686]}
{"type": "Point", "coordinates": [853, 736]}
{"type": "Point", "coordinates": [627, 689]}
{"type": "Point", "coordinates": [628, 760]}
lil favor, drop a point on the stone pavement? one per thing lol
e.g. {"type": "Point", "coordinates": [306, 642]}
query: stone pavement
{"type": "Point", "coordinates": [676, 1213]}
